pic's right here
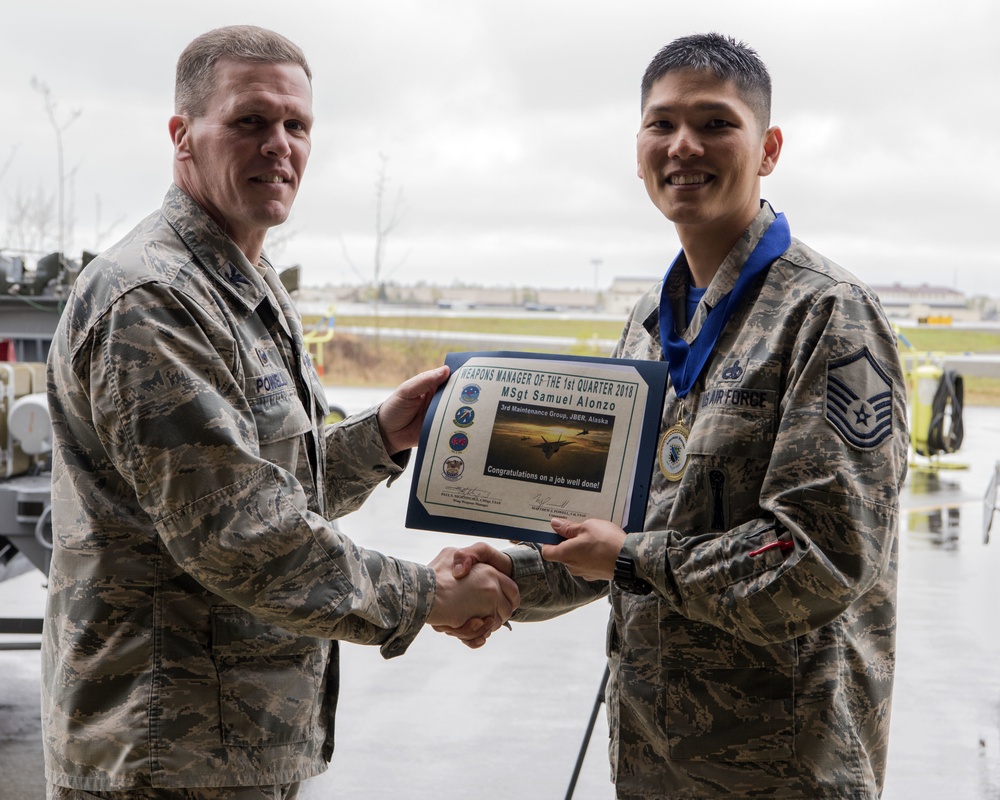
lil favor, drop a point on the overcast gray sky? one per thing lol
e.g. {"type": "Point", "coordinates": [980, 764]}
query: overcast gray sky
{"type": "Point", "coordinates": [510, 128]}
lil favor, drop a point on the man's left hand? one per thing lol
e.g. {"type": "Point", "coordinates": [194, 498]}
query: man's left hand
{"type": "Point", "coordinates": [402, 414]}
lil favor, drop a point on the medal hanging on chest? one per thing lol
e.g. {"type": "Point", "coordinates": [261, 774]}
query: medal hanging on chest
{"type": "Point", "coordinates": [672, 453]}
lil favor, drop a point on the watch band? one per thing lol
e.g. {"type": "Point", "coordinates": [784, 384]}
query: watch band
{"type": "Point", "coordinates": [626, 578]}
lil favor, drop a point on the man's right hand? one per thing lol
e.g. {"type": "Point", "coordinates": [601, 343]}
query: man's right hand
{"type": "Point", "coordinates": [473, 598]}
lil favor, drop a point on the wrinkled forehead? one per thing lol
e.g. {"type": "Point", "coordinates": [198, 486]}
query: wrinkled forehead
{"type": "Point", "coordinates": [234, 72]}
{"type": "Point", "coordinates": [238, 83]}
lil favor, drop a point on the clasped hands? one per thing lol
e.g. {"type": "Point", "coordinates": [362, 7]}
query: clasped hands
{"type": "Point", "coordinates": [475, 592]}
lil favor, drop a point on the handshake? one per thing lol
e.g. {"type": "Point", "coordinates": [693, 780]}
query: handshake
{"type": "Point", "coordinates": [475, 594]}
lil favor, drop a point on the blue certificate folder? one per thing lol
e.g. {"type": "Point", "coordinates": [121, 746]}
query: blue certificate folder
{"type": "Point", "coordinates": [513, 439]}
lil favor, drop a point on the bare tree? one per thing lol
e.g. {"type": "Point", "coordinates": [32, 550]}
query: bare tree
{"type": "Point", "coordinates": [9, 161]}
{"type": "Point", "coordinates": [278, 238]}
{"type": "Point", "coordinates": [101, 233]}
{"type": "Point", "coordinates": [50, 108]}
{"type": "Point", "coordinates": [29, 221]}
{"type": "Point", "coordinates": [386, 221]}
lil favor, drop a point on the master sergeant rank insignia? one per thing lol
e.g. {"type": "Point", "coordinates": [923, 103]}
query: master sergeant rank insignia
{"type": "Point", "coordinates": [859, 400]}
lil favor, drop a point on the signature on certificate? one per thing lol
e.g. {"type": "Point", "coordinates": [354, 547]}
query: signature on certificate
{"type": "Point", "coordinates": [542, 502]}
{"type": "Point", "coordinates": [471, 496]}
{"type": "Point", "coordinates": [469, 491]}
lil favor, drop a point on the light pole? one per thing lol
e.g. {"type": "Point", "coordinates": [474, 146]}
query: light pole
{"type": "Point", "coordinates": [597, 292]}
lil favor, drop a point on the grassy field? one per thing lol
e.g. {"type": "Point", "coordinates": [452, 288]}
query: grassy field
{"type": "Point", "coordinates": [354, 361]}
{"type": "Point", "coordinates": [952, 340]}
{"type": "Point", "coordinates": [979, 390]}
{"type": "Point", "coordinates": [540, 325]}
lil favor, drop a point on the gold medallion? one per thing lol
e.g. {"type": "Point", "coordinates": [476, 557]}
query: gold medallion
{"type": "Point", "coordinates": [673, 451]}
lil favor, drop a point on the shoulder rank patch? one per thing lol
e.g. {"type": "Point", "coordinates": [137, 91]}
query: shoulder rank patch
{"type": "Point", "coordinates": [859, 400]}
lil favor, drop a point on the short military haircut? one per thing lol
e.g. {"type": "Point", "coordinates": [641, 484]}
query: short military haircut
{"type": "Point", "coordinates": [727, 58]}
{"type": "Point", "coordinates": [196, 66]}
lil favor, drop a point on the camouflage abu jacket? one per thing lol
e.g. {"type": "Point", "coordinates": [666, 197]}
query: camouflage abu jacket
{"type": "Point", "coordinates": [196, 583]}
{"type": "Point", "coordinates": [761, 665]}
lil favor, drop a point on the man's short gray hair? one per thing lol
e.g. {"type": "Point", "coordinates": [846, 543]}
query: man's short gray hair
{"type": "Point", "coordinates": [196, 66]}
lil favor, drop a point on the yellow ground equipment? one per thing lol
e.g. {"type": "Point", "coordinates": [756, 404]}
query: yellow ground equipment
{"type": "Point", "coordinates": [936, 425]}
{"type": "Point", "coordinates": [935, 397]}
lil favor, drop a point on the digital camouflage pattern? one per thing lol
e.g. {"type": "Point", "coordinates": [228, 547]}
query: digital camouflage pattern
{"type": "Point", "coordinates": [762, 663]}
{"type": "Point", "coordinates": [285, 792]}
{"type": "Point", "coordinates": [196, 583]}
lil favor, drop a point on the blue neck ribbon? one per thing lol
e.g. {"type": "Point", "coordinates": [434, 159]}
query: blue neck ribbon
{"type": "Point", "coordinates": [685, 362]}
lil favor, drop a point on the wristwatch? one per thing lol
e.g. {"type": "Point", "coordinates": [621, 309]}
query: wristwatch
{"type": "Point", "coordinates": [626, 578]}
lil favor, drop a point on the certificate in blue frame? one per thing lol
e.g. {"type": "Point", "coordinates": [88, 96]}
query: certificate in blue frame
{"type": "Point", "coordinates": [513, 439]}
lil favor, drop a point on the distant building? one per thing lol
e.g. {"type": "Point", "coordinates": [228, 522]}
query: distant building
{"type": "Point", "coordinates": [459, 297]}
{"type": "Point", "coordinates": [456, 296]}
{"type": "Point", "coordinates": [901, 302]}
{"type": "Point", "coordinates": [568, 298]}
{"type": "Point", "coordinates": [625, 292]}
{"type": "Point", "coordinates": [924, 302]}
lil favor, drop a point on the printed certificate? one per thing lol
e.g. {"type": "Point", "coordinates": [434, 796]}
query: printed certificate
{"type": "Point", "coordinates": [512, 440]}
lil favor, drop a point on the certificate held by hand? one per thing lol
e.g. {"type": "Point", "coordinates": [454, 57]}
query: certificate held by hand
{"type": "Point", "coordinates": [514, 439]}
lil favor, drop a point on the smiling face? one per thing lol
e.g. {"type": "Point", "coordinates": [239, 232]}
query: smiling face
{"type": "Point", "coordinates": [701, 153]}
{"type": "Point", "coordinates": [243, 159]}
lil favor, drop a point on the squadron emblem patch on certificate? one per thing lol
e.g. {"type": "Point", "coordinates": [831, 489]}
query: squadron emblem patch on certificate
{"type": "Point", "coordinates": [859, 400]}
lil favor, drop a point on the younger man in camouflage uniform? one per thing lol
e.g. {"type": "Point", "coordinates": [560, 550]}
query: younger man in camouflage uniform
{"type": "Point", "coordinates": [751, 642]}
{"type": "Point", "coordinates": [197, 588]}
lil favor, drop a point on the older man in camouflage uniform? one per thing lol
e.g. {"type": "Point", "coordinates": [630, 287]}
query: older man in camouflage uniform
{"type": "Point", "coordinates": [751, 642]}
{"type": "Point", "coordinates": [197, 588]}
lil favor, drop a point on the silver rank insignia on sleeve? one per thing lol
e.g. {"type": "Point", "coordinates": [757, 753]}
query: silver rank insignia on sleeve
{"type": "Point", "coordinates": [859, 400]}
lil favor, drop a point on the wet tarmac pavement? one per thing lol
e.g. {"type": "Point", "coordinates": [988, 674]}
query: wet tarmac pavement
{"type": "Point", "coordinates": [506, 722]}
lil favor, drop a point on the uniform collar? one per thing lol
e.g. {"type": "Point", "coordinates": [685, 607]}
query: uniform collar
{"type": "Point", "coordinates": [212, 248]}
{"type": "Point", "coordinates": [722, 283]}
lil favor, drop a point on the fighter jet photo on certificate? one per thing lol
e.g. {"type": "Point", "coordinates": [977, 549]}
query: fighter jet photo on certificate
{"type": "Point", "coordinates": [551, 448]}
